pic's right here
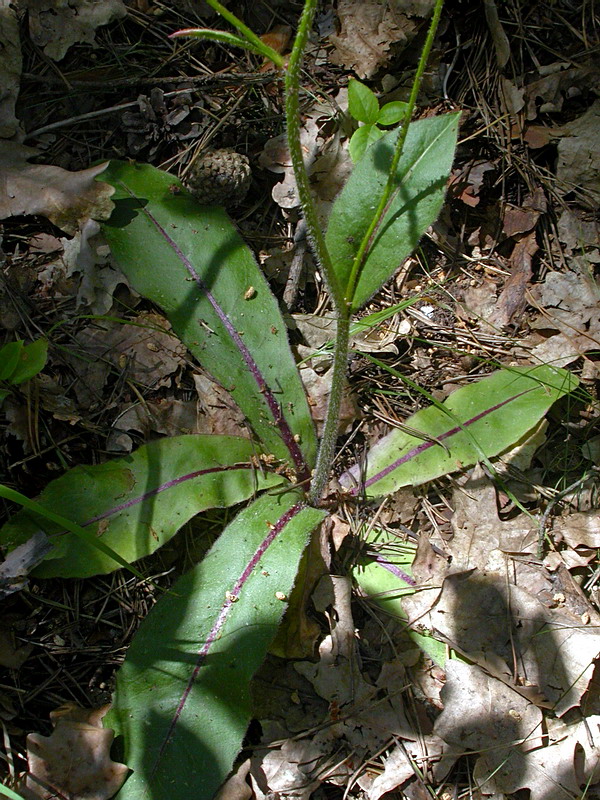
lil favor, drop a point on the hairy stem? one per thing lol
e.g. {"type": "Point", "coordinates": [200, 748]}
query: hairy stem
{"type": "Point", "coordinates": [330, 431]}
{"type": "Point", "coordinates": [327, 447]}
{"type": "Point", "coordinates": [247, 33]}
{"type": "Point", "coordinates": [292, 117]}
{"type": "Point", "coordinates": [361, 255]}
{"type": "Point", "coordinates": [317, 240]}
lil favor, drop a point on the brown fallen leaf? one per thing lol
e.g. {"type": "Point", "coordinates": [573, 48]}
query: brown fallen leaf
{"type": "Point", "coordinates": [318, 389]}
{"type": "Point", "coordinates": [19, 563]}
{"type": "Point", "coordinates": [66, 198]}
{"type": "Point", "coordinates": [482, 714]}
{"type": "Point", "coordinates": [578, 163]}
{"type": "Point", "coordinates": [10, 70]}
{"type": "Point", "coordinates": [236, 787]}
{"type": "Point", "coordinates": [432, 754]}
{"type": "Point", "coordinates": [569, 762]}
{"type": "Point", "coordinates": [370, 28]}
{"type": "Point", "coordinates": [146, 352]}
{"type": "Point", "coordinates": [511, 302]}
{"type": "Point", "coordinates": [578, 231]}
{"type": "Point", "coordinates": [569, 304]}
{"type": "Point", "coordinates": [510, 626]}
{"type": "Point", "coordinates": [13, 653]}
{"type": "Point", "coordinates": [467, 181]}
{"type": "Point", "coordinates": [326, 159]}
{"type": "Point", "coordinates": [578, 528]}
{"type": "Point", "coordinates": [523, 218]}
{"type": "Point", "coordinates": [74, 761]}
{"type": "Point", "coordinates": [547, 94]}
{"type": "Point", "coordinates": [57, 25]}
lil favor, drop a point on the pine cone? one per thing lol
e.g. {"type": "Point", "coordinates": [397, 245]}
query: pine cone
{"type": "Point", "coordinates": [220, 177]}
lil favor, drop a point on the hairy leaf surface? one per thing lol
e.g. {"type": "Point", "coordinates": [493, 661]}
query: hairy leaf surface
{"type": "Point", "coordinates": [481, 419]}
{"type": "Point", "coordinates": [414, 205]}
{"type": "Point", "coordinates": [136, 504]}
{"type": "Point", "coordinates": [190, 261]}
{"type": "Point", "coordinates": [182, 702]}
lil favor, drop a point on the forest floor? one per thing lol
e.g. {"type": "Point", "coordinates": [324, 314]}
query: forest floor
{"type": "Point", "coordinates": [506, 277]}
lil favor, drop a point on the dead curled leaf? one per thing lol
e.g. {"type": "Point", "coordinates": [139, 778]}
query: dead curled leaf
{"type": "Point", "coordinates": [66, 198]}
{"type": "Point", "coordinates": [511, 302]}
{"type": "Point", "coordinates": [74, 761]}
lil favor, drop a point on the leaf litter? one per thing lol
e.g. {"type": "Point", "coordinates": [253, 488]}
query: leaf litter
{"type": "Point", "coordinates": [366, 712]}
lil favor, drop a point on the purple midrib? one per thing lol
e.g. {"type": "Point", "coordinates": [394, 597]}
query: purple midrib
{"type": "Point", "coordinates": [284, 430]}
{"type": "Point", "coordinates": [421, 448]}
{"type": "Point", "coordinates": [213, 635]}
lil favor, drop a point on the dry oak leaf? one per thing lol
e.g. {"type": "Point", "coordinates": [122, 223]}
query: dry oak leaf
{"type": "Point", "coordinates": [563, 769]}
{"type": "Point", "coordinates": [579, 156]}
{"type": "Point", "coordinates": [369, 29]}
{"type": "Point", "coordinates": [66, 198]}
{"type": "Point", "coordinates": [55, 25]}
{"type": "Point", "coordinates": [10, 69]}
{"type": "Point", "coordinates": [74, 761]}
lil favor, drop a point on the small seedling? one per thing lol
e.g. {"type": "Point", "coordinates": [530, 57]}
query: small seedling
{"type": "Point", "coordinates": [363, 105]}
{"type": "Point", "coordinates": [19, 362]}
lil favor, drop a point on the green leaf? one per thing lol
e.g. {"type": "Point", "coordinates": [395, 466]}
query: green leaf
{"type": "Point", "coordinates": [32, 359]}
{"type": "Point", "coordinates": [362, 103]}
{"type": "Point", "coordinates": [136, 504]}
{"type": "Point", "coordinates": [182, 702]}
{"type": "Point", "coordinates": [9, 358]}
{"type": "Point", "coordinates": [392, 113]}
{"type": "Point", "coordinates": [6, 792]}
{"type": "Point", "coordinates": [190, 261]}
{"type": "Point", "coordinates": [361, 139]}
{"type": "Point", "coordinates": [414, 205]}
{"type": "Point", "coordinates": [384, 574]}
{"type": "Point", "coordinates": [88, 539]}
{"type": "Point", "coordinates": [224, 37]}
{"type": "Point", "coordinates": [478, 420]}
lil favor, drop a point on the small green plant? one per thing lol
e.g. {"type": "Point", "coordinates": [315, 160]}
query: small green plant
{"type": "Point", "coordinates": [19, 362]}
{"type": "Point", "coordinates": [181, 706]}
{"type": "Point", "coordinates": [363, 105]}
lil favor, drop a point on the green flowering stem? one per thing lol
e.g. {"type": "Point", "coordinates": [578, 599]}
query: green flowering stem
{"type": "Point", "coordinates": [292, 117]}
{"type": "Point", "coordinates": [361, 255]}
{"type": "Point", "coordinates": [330, 431]}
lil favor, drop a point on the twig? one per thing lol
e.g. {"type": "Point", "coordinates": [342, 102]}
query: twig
{"type": "Point", "coordinates": [556, 499]}
{"type": "Point", "coordinates": [91, 115]}
{"type": "Point", "coordinates": [290, 293]}
{"type": "Point", "coordinates": [223, 79]}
